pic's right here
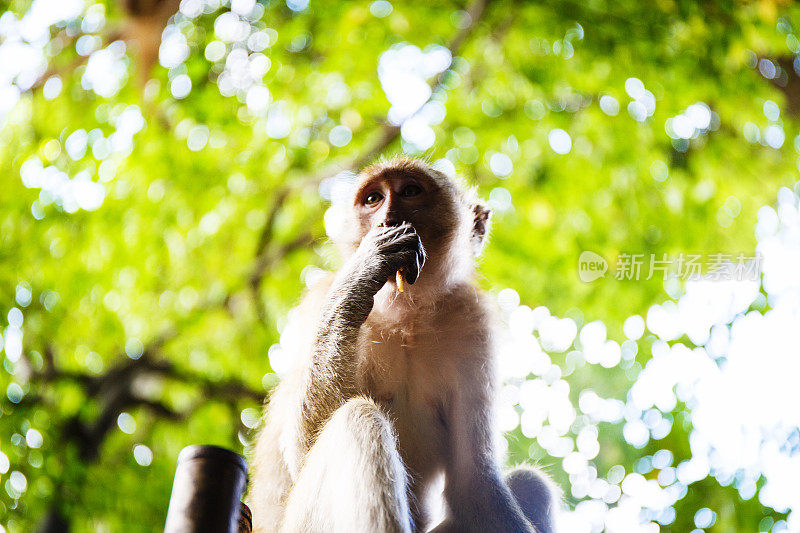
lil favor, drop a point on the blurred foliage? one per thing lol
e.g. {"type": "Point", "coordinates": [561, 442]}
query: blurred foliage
{"type": "Point", "coordinates": [161, 305]}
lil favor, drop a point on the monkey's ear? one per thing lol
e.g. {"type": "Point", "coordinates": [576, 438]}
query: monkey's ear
{"type": "Point", "coordinates": [480, 226]}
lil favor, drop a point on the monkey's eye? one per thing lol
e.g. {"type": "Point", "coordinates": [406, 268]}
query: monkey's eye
{"type": "Point", "coordinates": [411, 190]}
{"type": "Point", "coordinates": [373, 198]}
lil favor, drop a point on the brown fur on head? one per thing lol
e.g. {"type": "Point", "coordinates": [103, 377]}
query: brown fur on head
{"type": "Point", "coordinates": [451, 222]}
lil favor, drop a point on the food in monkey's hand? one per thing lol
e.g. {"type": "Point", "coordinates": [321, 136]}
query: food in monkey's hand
{"type": "Point", "coordinates": [398, 279]}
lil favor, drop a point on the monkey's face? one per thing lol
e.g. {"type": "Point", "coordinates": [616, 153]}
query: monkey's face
{"type": "Point", "coordinates": [397, 196]}
{"type": "Point", "coordinates": [390, 195]}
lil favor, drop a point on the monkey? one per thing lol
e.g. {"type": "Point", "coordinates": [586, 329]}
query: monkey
{"type": "Point", "coordinates": [391, 392]}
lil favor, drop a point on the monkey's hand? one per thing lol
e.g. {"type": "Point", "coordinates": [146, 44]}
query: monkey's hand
{"type": "Point", "coordinates": [386, 249]}
{"type": "Point", "coordinates": [383, 251]}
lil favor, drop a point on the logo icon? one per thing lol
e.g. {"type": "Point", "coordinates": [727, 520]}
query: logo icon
{"type": "Point", "coordinates": [591, 266]}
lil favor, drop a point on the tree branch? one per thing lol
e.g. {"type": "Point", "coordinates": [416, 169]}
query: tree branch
{"type": "Point", "coordinates": [230, 388]}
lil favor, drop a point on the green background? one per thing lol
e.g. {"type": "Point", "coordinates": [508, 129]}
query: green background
{"type": "Point", "coordinates": [148, 321]}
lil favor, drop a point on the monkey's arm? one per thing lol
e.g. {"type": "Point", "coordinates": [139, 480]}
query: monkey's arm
{"type": "Point", "coordinates": [476, 493]}
{"type": "Point", "coordinates": [329, 380]}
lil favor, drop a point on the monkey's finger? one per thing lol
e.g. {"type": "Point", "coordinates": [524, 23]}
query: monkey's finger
{"type": "Point", "coordinates": [394, 231]}
{"type": "Point", "coordinates": [411, 266]}
{"type": "Point", "coordinates": [417, 260]}
{"type": "Point", "coordinates": [400, 241]}
{"type": "Point", "coordinates": [392, 242]}
{"type": "Point", "coordinates": [384, 236]}
{"type": "Point", "coordinates": [421, 254]}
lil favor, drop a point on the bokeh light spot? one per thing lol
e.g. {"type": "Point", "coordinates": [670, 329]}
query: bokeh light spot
{"type": "Point", "coordinates": [560, 141]}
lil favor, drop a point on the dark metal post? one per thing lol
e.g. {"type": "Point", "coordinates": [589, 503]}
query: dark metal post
{"type": "Point", "coordinates": [209, 483]}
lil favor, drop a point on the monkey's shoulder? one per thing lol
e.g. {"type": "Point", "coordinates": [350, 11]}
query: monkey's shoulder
{"type": "Point", "coordinates": [318, 287]}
